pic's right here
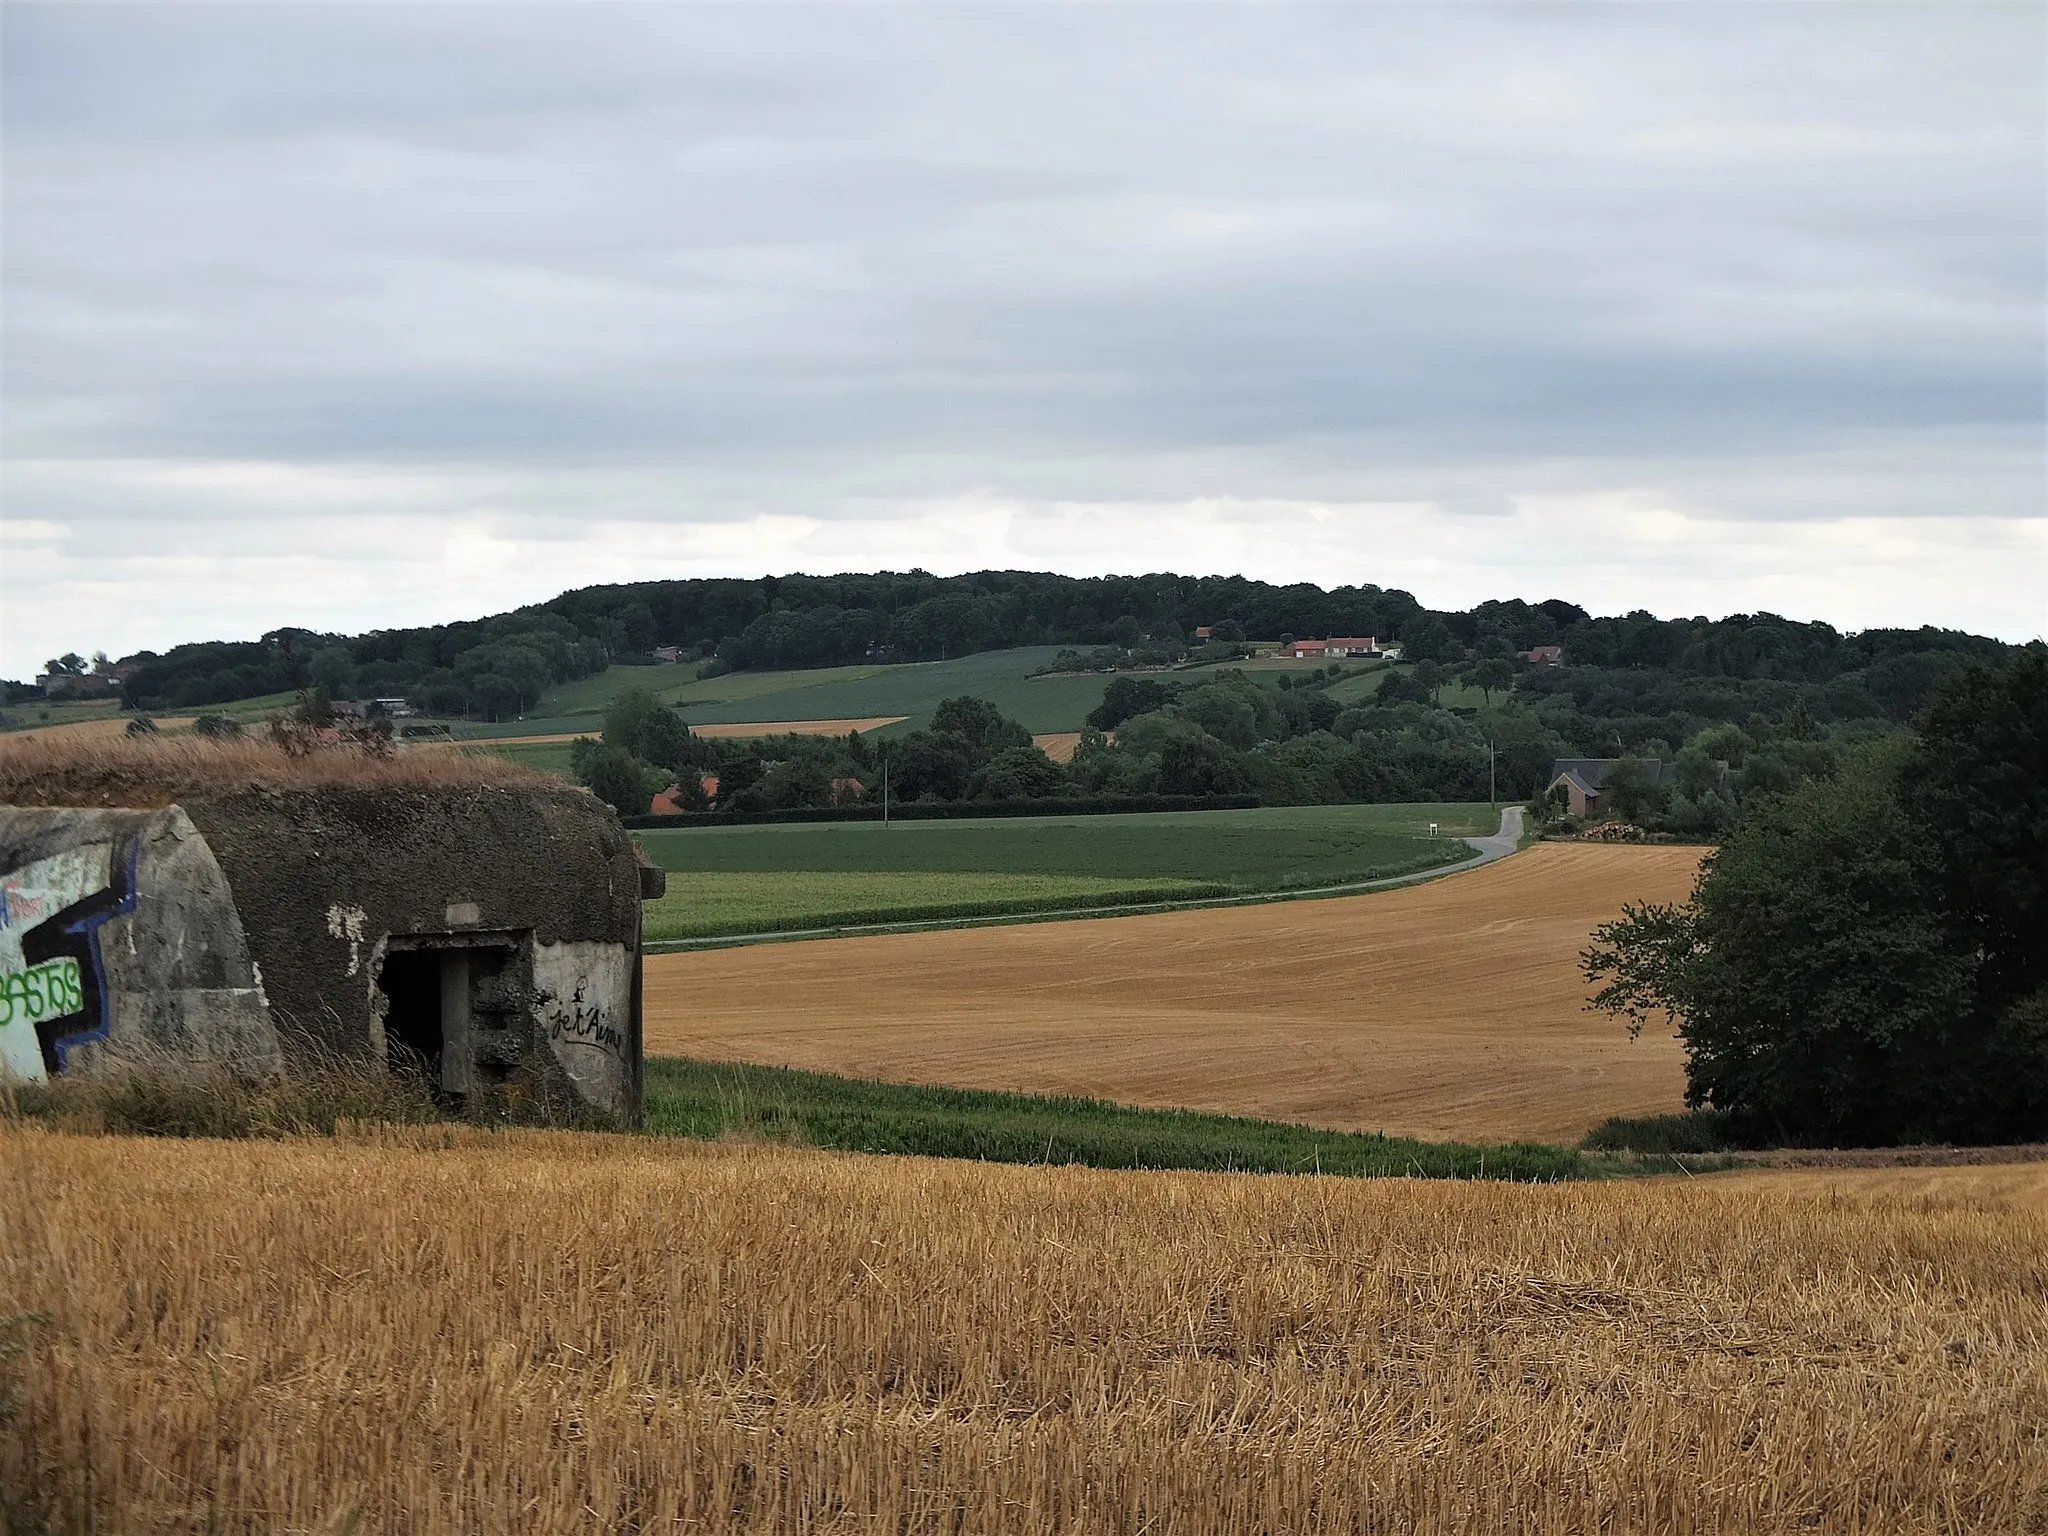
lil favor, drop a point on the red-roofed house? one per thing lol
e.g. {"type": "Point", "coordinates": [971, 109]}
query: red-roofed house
{"type": "Point", "coordinates": [1351, 645]}
{"type": "Point", "coordinates": [1304, 650]}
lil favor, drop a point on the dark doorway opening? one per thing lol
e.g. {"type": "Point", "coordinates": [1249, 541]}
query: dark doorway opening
{"type": "Point", "coordinates": [411, 984]}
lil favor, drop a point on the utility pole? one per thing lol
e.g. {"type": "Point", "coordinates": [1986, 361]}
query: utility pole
{"type": "Point", "coordinates": [1491, 797]}
{"type": "Point", "coordinates": [885, 791]}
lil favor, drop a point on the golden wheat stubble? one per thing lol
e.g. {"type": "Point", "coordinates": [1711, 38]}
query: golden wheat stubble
{"type": "Point", "coordinates": [452, 1332]}
{"type": "Point", "coordinates": [1454, 1009]}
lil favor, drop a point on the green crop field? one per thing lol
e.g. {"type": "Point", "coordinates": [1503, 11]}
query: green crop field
{"type": "Point", "coordinates": [543, 756]}
{"type": "Point", "coordinates": [715, 1099]}
{"type": "Point", "coordinates": [766, 878]}
{"type": "Point", "coordinates": [1263, 848]}
{"type": "Point", "coordinates": [1005, 678]}
{"type": "Point", "coordinates": [706, 904]}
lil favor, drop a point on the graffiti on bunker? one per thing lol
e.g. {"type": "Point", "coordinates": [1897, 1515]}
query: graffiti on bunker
{"type": "Point", "coordinates": [53, 991]}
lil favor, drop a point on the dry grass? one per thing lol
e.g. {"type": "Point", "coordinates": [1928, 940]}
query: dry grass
{"type": "Point", "coordinates": [440, 1330]}
{"type": "Point", "coordinates": [737, 731]}
{"type": "Point", "coordinates": [1449, 1011]}
{"type": "Point", "coordinates": [109, 726]}
{"type": "Point", "coordinates": [148, 772]}
{"type": "Point", "coordinates": [2022, 1186]}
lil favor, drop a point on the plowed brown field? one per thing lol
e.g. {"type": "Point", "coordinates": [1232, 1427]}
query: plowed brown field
{"type": "Point", "coordinates": [1451, 1009]}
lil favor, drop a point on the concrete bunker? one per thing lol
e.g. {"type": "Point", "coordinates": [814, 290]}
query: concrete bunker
{"type": "Point", "coordinates": [469, 921]}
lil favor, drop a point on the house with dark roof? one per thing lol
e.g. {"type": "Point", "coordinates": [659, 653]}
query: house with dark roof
{"type": "Point", "coordinates": [1585, 781]}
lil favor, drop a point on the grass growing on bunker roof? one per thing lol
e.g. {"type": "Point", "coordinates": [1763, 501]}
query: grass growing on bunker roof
{"type": "Point", "coordinates": [149, 772]}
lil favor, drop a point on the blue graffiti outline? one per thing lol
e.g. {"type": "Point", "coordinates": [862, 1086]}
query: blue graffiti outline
{"type": "Point", "coordinates": [87, 928]}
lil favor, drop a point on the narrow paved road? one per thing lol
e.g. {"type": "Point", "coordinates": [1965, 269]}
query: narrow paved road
{"type": "Point", "coordinates": [1502, 843]}
{"type": "Point", "coordinates": [1485, 851]}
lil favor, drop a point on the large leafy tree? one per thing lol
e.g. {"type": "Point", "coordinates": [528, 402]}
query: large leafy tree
{"type": "Point", "coordinates": [980, 726]}
{"type": "Point", "coordinates": [640, 725]}
{"type": "Point", "coordinates": [1978, 784]}
{"type": "Point", "coordinates": [1856, 963]}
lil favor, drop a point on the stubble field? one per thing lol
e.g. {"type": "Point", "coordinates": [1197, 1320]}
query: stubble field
{"type": "Point", "coordinates": [455, 1331]}
{"type": "Point", "coordinates": [1452, 1010]}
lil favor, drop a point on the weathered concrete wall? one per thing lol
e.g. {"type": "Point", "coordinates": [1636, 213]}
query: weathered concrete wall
{"type": "Point", "coordinates": [119, 937]}
{"type": "Point", "coordinates": [258, 926]}
{"type": "Point", "coordinates": [323, 876]}
{"type": "Point", "coordinates": [583, 997]}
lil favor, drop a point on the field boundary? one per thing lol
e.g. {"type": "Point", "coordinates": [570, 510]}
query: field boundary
{"type": "Point", "coordinates": [1486, 850]}
{"type": "Point", "coordinates": [943, 810]}
{"type": "Point", "coordinates": [712, 1100]}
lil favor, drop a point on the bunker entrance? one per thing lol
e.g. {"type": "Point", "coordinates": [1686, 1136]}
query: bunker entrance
{"type": "Point", "coordinates": [454, 1007]}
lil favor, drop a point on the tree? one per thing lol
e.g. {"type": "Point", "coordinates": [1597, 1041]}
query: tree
{"type": "Point", "coordinates": [333, 667]}
{"type": "Point", "coordinates": [1128, 632]}
{"type": "Point", "coordinates": [495, 696]}
{"type": "Point", "coordinates": [1224, 712]}
{"type": "Point", "coordinates": [1978, 783]}
{"type": "Point", "coordinates": [1823, 986]}
{"type": "Point", "coordinates": [1403, 687]}
{"type": "Point", "coordinates": [1199, 765]}
{"type": "Point", "coordinates": [1020, 773]}
{"type": "Point", "coordinates": [979, 726]}
{"type": "Point", "coordinates": [1429, 638]}
{"type": "Point", "coordinates": [619, 779]}
{"type": "Point", "coordinates": [1633, 790]}
{"type": "Point", "coordinates": [641, 725]}
{"type": "Point", "coordinates": [932, 766]}
{"type": "Point", "coordinates": [1432, 676]}
{"type": "Point", "coordinates": [792, 783]}
{"type": "Point", "coordinates": [1126, 697]}
{"type": "Point", "coordinates": [69, 664]}
{"type": "Point", "coordinates": [1493, 673]}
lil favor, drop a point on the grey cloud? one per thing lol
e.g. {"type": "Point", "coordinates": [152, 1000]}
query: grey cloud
{"type": "Point", "coordinates": [796, 254]}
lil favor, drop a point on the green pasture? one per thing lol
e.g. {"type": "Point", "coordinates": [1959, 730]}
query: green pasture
{"type": "Point", "coordinates": [763, 879]}
{"type": "Point", "coordinates": [714, 1099]}
{"type": "Point", "coordinates": [1360, 687]}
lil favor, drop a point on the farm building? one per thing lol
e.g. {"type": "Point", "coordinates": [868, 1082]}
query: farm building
{"type": "Point", "coordinates": [238, 905]}
{"type": "Point", "coordinates": [1584, 781]}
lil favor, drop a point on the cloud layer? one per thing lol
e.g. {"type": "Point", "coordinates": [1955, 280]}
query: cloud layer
{"type": "Point", "coordinates": [382, 315]}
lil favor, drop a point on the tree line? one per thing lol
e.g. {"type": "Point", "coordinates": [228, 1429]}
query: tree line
{"type": "Point", "coordinates": [501, 665]}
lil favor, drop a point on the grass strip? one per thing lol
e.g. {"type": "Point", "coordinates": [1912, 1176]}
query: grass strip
{"type": "Point", "coordinates": [675, 917]}
{"type": "Point", "coordinates": [708, 1100]}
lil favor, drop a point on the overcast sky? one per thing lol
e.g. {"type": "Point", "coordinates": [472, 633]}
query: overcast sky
{"type": "Point", "coordinates": [379, 315]}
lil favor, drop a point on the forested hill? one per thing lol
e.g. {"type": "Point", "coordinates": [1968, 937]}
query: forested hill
{"type": "Point", "coordinates": [498, 665]}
